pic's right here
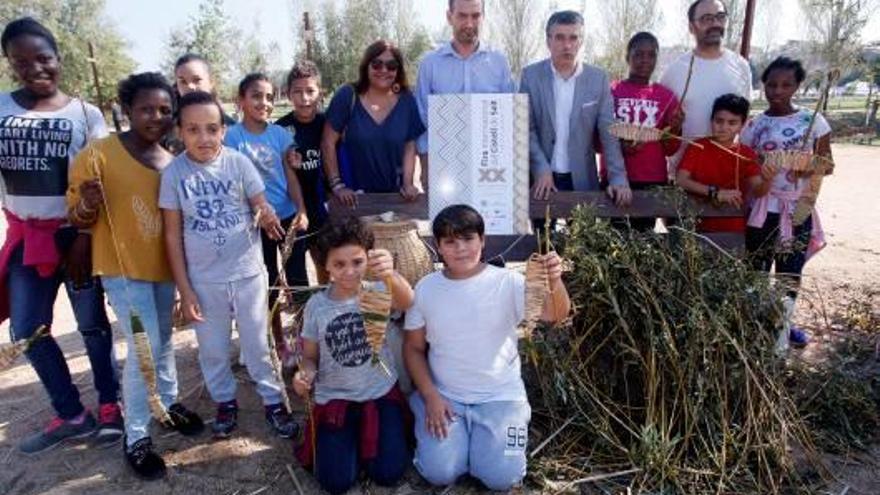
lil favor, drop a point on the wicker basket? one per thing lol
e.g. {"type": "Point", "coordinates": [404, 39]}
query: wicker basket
{"type": "Point", "coordinates": [400, 237]}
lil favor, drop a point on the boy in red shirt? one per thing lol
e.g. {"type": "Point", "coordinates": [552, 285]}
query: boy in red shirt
{"type": "Point", "coordinates": [724, 170]}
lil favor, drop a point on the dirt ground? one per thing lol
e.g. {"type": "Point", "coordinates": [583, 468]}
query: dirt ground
{"type": "Point", "coordinates": [254, 462]}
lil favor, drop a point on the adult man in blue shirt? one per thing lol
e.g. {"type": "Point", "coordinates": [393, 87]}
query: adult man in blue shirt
{"type": "Point", "coordinates": [463, 65]}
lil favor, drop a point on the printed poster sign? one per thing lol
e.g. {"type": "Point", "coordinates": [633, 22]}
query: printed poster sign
{"type": "Point", "coordinates": [478, 155]}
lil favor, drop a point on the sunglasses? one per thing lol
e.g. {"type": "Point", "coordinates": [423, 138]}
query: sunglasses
{"type": "Point", "coordinates": [390, 65]}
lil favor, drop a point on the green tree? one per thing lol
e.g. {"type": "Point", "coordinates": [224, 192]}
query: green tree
{"type": "Point", "coordinates": [342, 35]}
{"type": "Point", "coordinates": [74, 23]}
{"type": "Point", "coordinates": [624, 18]}
{"type": "Point", "coordinates": [209, 33]}
{"type": "Point", "coordinates": [516, 27]}
{"type": "Point", "coordinates": [836, 29]}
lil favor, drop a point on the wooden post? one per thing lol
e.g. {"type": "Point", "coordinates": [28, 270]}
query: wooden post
{"type": "Point", "coordinates": [747, 29]}
{"type": "Point", "coordinates": [94, 62]}
{"type": "Point", "coordinates": [308, 34]}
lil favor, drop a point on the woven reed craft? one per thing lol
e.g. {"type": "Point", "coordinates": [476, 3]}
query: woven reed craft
{"type": "Point", "coordinates": [400, 236]}
{"type": "Point", "coordinates": [794, 160]}
{"type": "Point", "coordinates": [11, 351]}
{"type": "Point", "coordinates": [537, 290]}
{"type": "Point", "coordinates": [375, 306]}
{"type": "Point", "coordinates": [636, 133]}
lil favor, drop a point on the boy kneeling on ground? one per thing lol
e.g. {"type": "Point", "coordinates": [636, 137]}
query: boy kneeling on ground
{"type": "Point", "coordinates": [471, 408]}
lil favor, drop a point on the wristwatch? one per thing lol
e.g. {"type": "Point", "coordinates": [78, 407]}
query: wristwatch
{"type": "Point", "coordinates": [713, 193]}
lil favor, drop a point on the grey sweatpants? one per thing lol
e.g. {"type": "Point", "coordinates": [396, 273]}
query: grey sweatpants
{"type": "Point", "coordinates": [245, 301]}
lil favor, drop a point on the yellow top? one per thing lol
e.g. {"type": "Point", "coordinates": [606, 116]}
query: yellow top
{"type": "Point", "coordinates": [131, 190]}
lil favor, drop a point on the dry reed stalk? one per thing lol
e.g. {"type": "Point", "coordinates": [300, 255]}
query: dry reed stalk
{"type": "Point", "coordinates": [146, 365]}
{"type": "Point", "coordinates": [667, 368]}
{"type": "Point", "coordinates": [11, 351]}
{"type": "Point", "coordinates": [807, 200]}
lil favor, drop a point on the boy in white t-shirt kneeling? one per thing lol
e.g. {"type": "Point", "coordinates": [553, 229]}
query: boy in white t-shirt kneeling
{"type": "Point", "coordinates": [471, 408]}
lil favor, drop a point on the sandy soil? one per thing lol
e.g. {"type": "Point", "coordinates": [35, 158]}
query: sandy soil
{"type": "Point", "coordinates": [254, 462]}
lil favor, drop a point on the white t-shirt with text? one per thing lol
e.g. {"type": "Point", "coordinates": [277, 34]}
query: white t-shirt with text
{"type": "Point", "coordinates": [36, 150]}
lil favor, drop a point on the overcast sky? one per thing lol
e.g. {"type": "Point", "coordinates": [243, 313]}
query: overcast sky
{"type": "Point", "coordinates": [146, 24]}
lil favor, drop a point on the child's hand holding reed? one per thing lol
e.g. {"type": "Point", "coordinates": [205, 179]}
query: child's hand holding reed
{"type": "Point", "coordinates": [769, 170]}
{"type": "Point", "coordinates": [553, 264]}
{"type": "Point", "coordinates": [380, 264]}
{"type": "Point", "coordinates": [302, 382]}
{"type": "Point", "coordinates": [92, 194]}
{"type": "Point", "coordinates": [267, 220]}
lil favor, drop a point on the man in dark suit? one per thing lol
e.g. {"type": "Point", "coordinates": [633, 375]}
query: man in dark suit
{"type": "Point", "coordinates": [569, 104]}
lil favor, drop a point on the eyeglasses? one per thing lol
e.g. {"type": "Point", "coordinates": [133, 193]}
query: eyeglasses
{"type": "Point", "coordinates": [720, 18]}
{"type": "Point", "coordinates": [390, 65]}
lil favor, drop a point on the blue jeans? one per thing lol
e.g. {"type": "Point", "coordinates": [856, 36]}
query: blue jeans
{"type": "Point", "coordinates": [153, 303]}
{"type": "Point", "coordinates": [31, 299]}
{"type": "Point", "coordinates": [487, 440]}
{"type": "Point", "coordinates": [337, 458]}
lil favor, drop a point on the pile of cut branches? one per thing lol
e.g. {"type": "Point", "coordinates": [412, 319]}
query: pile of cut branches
{"type": "Point", "coordinates": [666, 373]}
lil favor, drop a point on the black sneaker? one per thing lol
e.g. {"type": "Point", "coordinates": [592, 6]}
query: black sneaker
{"type": "Point", "coordinates": [184, 421]}
{"type": "Point", "coordinates": [111, 426]}
{"type": "Point", "coordinates": [58, 431]}
{"type": "Point", "coordinates": [146, 463]}
{"type": "Point", "coordinates": [226, 420]}
{"type": "Point", "coordinates": [280, 422]}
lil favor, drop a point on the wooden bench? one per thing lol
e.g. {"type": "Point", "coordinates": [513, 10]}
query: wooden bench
{"type": "Point", "coordinates": [645, 204]}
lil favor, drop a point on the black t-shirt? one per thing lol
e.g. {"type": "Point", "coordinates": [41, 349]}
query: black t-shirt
{"type": "Point", "coordinates": [307, 140]}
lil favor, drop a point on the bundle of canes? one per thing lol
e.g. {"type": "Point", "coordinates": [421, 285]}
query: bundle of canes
{"type": "Point", "coordinates": [11, 351]}
{"type": "Point", "coordinates": [821, 165]}
{"type": "Point", "coordinates": [142, 348]}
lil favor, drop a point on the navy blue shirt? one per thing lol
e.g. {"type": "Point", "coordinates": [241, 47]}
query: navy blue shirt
{"type": "Point", "coordinates": [307, 141]}
{"type": "Point", "coordinates": [375, 151]}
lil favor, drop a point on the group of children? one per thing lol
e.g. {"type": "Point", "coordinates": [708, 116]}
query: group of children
{"type": "Point", "coordinates": [189, 201]}
{"type": "Point", "coordinates": [729, 166]}
{"type": "Point", "coordinates": [186, 202]}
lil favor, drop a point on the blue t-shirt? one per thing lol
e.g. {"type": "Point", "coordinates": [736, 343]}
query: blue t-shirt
{"type": "Point", "coordinates": [266, 151]}
{"type": "Point", "coordinates": [375, 150]}
{"type": "Point", "coordinates": [220, 240]}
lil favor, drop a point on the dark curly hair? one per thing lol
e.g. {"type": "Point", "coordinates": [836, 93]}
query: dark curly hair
{"type": "Point", "coordinates": [347, 230]}
{"type": "Point", "coordinates": [27, 26]}
{"type": "Point", "coordinates": [128, 88]}
{"type": "Point", "coordinates": [198, 98]}
{"type": "Point", "coordinates": [301, 70]}
{"type": "Point", "coordinates": [372, 52]}
{"type": "Point", "coordinates": [785, 63]}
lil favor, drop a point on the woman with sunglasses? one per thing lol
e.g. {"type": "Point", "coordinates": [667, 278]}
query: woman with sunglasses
{"type": "Point", "coordinates": [377, 120]}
